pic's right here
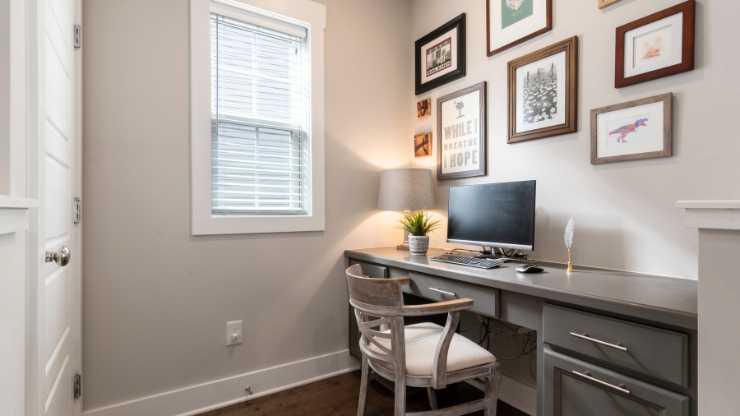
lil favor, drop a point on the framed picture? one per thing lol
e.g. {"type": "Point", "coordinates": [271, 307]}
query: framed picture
{"type": "Point", "coordinates": [607, 3]}
{"type": "Point", "coordinates": [641, 129]}
{"type": "Point", "coordinates": [440, 56]}
{"type": "Point", "coordinates": [424, 108]}
{"type": "Point", "coordinates": [543, 92]}
{"type": "Point", "coordinates": [511, 22]}
{"type": "Point", "coordinates": [461, 129]}
{"type": "Point", "coordinates": [423, 144]}
{"type": "Point", "coordinates": [656, 46]}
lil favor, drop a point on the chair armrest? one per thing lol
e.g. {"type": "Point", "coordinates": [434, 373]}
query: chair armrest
{"type": "Point", "coordinates": [446, 306]}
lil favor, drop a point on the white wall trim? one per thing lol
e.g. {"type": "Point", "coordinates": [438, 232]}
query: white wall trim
{"type": "Point", "coordinates": [215, 394]}
{"type": "Point", "coordinates": [18, 203]}
{"type": "Point", "coordinates": [711, 215]}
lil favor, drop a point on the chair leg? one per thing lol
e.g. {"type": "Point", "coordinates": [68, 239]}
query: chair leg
{"type": "Point", "coordinates": [492, 390]}
{"type": "Point", "coordinates": [432, 396]}
{"type": "Point", "coordinates": [400, 396]}
{"type": "Point", "coordinates": [362, 402]}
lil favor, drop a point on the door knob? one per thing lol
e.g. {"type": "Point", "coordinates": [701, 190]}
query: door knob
{"type": "Point", "coordinates": [60, 257]}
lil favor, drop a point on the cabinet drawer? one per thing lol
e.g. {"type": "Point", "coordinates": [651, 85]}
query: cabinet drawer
{"type": "Point", "coordinates": [371, 270]}
{"type": "Point", "coordinates": [575, 388]}
{"type": "Point", "coordinates": [434, 288]}
{"type": "Point", "coordinates": [654, 352]}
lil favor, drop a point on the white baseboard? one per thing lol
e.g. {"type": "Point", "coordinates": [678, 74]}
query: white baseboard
{"type": "Point", "coordinates": [518, 395]}
{"type": "Point", "coordinates": [215, 394]}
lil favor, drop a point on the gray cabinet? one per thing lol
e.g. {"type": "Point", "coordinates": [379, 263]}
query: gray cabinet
{"type": "Point", "coordinates": [619, 343]}
{"type": "Point", "coordinates": [437, 289]}
{"type": "Point", "coordinates": [577, 388]}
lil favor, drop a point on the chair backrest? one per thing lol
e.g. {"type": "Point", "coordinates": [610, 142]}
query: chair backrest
{"type": "Point", "coordinates": [378, 305]}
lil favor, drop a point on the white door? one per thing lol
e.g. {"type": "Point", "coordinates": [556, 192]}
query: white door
{"type": "Point", "coordinates": [57, 237]}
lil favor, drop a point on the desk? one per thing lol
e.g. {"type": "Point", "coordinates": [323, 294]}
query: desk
{"type": "Point", "coordinates": [608, 343]}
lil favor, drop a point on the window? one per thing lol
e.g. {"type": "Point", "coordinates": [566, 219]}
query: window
{"type": "Point", "coordinates": [260, 94]}
{"type": "Point", "coordinates": [264, 144]}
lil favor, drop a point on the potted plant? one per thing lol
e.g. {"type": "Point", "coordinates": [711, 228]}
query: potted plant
{"type": "Point", "coordinates": [418, 224]}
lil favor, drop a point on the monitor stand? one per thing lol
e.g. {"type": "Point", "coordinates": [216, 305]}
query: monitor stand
{"type": "Point", "coordinates": [487, 253]}
{"type": "Point", "coordinates": [491, 253]}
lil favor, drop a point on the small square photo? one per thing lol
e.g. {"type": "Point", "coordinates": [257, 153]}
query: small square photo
{"type": "Point", "coordinates": [424, 108]}
{"type": "Point", "coordinates": [423, 144]}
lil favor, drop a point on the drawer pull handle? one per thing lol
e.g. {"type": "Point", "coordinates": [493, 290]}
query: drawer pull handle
{"type": "Point", "coordinates": [587, 376]}
{"type": "Point", "coordinates": [598, 341]}
{"type": "Point", "coordinates": [443, 292]}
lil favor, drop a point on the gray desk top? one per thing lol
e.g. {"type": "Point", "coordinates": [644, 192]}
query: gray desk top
{"type": "Point", "coordinates": [652, 298]}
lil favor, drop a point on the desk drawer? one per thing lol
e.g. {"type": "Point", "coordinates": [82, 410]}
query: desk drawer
{"type": "Point", "coordinates": [576, 388]}
{"type": "Point", "coordinates": [436, 289]}
{"type": "Point", "coordinates": [654, 352]}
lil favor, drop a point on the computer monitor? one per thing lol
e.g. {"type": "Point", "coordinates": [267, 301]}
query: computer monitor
{"type": "Point", "coordinates": [496, 215]}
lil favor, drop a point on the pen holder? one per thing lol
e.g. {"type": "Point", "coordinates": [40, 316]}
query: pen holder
{"type": "Point", "coordinates": [570, 261]}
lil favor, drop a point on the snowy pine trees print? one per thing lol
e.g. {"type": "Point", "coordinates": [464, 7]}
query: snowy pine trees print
{"type": "Point", "coordinates": [541, 94]}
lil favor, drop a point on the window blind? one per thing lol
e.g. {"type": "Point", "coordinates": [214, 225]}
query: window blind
{"type": "Point", "coordinates": [260, 111]}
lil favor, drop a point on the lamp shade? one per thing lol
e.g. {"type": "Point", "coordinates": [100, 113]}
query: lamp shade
{"type": "Point", "coordinates": [406, 190]}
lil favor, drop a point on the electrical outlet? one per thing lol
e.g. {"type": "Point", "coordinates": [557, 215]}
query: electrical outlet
{"type": "Point", "coordinates": [234, 333]}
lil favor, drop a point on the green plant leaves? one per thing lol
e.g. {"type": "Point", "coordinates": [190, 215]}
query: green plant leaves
{"type": "Point", "coordinates": [419, 223]}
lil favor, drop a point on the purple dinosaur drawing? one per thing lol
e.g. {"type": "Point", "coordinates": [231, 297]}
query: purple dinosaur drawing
{"type": "Point", "coordinates": [628, 129]}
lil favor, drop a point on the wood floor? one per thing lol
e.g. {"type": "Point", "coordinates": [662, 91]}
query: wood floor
{"type": "Point", "coordinates": [337, 396]}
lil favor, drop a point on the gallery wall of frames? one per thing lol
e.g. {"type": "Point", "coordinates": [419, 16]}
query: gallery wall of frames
{"type": "Point", "coordinates": [543, 84]}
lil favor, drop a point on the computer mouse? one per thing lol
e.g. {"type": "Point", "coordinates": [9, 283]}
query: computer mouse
{"type": "Point", "coordinates": [529, 268]}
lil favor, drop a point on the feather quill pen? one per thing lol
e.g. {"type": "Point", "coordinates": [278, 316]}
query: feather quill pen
{"type": "Point", "coordinates": [570, 230]}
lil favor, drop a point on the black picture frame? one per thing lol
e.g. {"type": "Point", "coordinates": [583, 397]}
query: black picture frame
{"type": "Point", "coordinates": [456, 23]}
{"type": "Point", "coordinates": [482, 90]}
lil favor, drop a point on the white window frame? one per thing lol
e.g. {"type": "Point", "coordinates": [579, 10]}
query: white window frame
{"type": "Point", "coordinates": [308, 13]}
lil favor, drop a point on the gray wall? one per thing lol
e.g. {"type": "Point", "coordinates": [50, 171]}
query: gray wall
{"type": "Point", "coordinates": [156, 300]}
{"type": "Point", "coordinates": [625, 212]}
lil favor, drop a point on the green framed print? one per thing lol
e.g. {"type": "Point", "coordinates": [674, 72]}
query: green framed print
{"type": "Point", "coordinates": [511, 22]}
{"type": "Point", "coordinates": [514, 11]}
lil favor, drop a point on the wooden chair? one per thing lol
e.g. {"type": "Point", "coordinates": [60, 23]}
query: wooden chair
{"type": "Point", "coordinates": [421, 355]}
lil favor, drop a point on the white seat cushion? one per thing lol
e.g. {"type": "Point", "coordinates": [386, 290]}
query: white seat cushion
{"type": "Point", "coordinates": [421, 343]}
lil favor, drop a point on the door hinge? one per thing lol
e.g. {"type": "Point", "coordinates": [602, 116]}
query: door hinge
{"type": "Point", "coordinates": [76, 210]}
{"type": "Point", "coordinates": [77, 387]}
{"type": "Point", "coordinates": [78, 36]}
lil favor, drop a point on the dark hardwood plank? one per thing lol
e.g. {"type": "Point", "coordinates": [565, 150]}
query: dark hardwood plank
{"type": "Point", "coordinates": [337, 396]}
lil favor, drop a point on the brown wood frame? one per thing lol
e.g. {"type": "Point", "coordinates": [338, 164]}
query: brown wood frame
{"type": "Point", "coordinates": [491, 52]}
{"type": "Point", "coordinates": [482, 88]}
{"type": "Point", "coordinates": [688, 44]}
{"type": "Point", "coordinates": [666, 99]}
{"type": "Point", "coordinates": [570, 47]}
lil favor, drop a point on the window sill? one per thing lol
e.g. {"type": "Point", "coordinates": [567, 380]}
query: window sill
{"type": "Point", "coordinates": [224, 225]}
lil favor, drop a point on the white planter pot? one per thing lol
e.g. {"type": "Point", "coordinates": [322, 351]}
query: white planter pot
{"type": "Point", "coordinates": [418, 245]}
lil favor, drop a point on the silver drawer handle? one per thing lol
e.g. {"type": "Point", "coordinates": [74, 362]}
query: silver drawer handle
{"type": "Point", "coordinates": [585, 375]}
{"type": "Point", "coordinates": [598, 341]}
{"type": "Point", "coordinates": [443, 292]}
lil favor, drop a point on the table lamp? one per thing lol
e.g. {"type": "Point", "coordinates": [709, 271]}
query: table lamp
{"type": "Point", "coordinates": [406, 190]}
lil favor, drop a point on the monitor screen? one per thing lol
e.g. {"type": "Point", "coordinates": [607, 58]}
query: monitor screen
{"type": "Point", "coordinates": [493, 215]}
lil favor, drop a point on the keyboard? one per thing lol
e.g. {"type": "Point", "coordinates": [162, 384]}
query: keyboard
{"type": "Point", "coordinates": [481, 263]}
